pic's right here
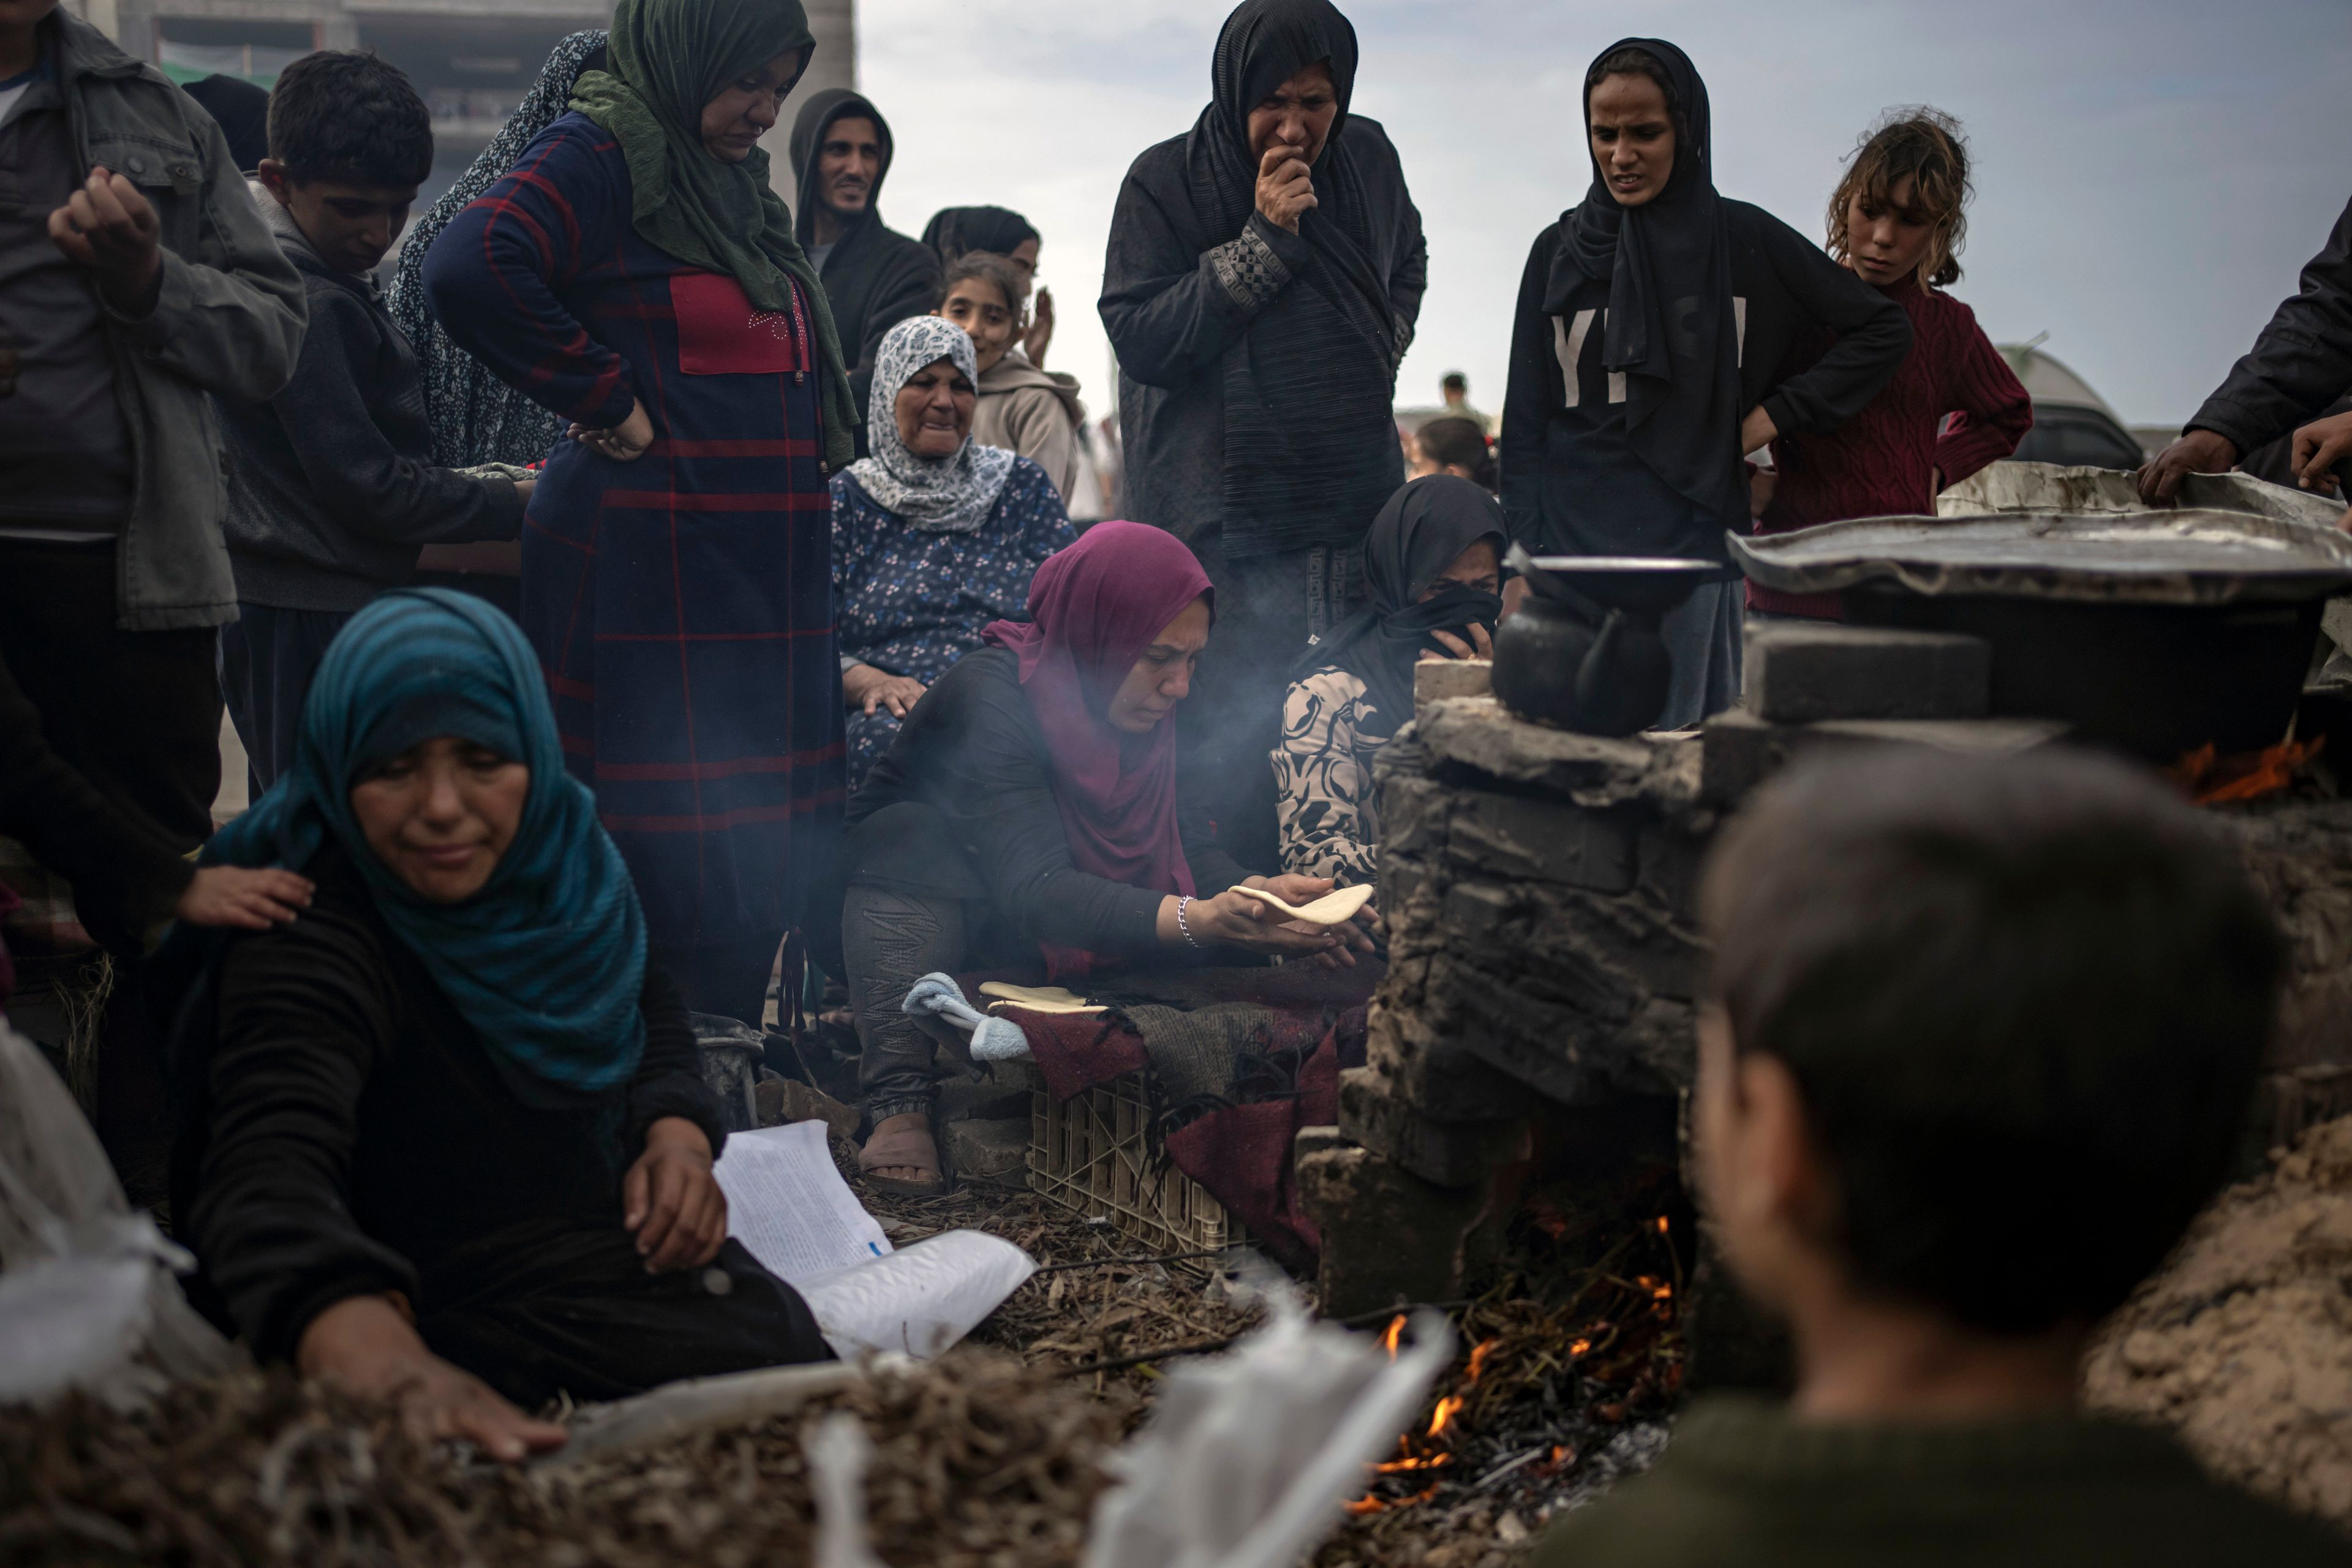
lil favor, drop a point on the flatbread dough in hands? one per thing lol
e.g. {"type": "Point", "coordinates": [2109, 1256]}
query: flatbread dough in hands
{"type": "Point", "coordinates": [1334, 908]}
{"type": "Point", "coordinates": [1036, 998]}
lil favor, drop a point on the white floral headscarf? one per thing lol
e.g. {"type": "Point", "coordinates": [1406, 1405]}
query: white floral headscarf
{"type": "Point", "coordinates": [937, 495]}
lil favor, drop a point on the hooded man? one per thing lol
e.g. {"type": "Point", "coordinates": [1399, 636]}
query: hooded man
{"type": "Point", "coordinates": [874, 277]}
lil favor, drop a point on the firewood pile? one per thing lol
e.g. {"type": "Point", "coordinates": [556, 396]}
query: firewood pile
{"type": "Point", "coordinates": [977, 1462]}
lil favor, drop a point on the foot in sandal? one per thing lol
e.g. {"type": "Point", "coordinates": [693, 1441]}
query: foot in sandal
{"type": "Point", "coordinates": [901, 1156]}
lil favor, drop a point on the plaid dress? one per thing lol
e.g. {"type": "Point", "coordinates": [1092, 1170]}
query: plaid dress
{"type": "Point", "coordinates": [681, 604]}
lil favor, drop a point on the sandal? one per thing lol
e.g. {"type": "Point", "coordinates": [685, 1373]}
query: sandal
{"type": "Point", "coordinates": [904, 1141]}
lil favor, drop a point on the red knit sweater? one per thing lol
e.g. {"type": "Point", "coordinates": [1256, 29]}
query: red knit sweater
{"type": "Point", "coordinates": [1886, 460]}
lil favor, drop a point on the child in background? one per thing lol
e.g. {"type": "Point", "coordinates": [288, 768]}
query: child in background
{"type": "Point", "coordinates": [331, 488]}
{"type": "Point", "coordinates": [1980, 1042]}
{"type": "Point", "coordinates": [1031, 412]}
{"type": "Point", "coordinates": [1451, 444]}
{"type": "Point", "coordinates": [1897, 221]}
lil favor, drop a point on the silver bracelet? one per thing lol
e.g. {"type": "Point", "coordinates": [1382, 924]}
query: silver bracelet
{"type": "Point", "coordinates": [1184, 925]}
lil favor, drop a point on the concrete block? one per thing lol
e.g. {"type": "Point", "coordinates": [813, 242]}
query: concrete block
{"type": "Point", "coordinates": [1549, 840]}
{"type": "Point", "coordinates": [784, 1099]}
{"type": "Point", "coordinates": [1436, 680]}
{"type": "Point", "coordinates": [1740, 750]}
{"type": "Point", "coordinates": [1003, 1090]}
{"type": "Point", "coordinates": [1801, 671]}
{"type": "Point", "coordinates": [991, 1150]}
{"type": "Point", "coordinates": [1388, 1235]}
{"type": "Point", "coordinates": [1446, 1153]}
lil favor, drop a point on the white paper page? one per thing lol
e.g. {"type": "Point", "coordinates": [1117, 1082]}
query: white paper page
{"type": "Point", "coordinates": [788, 1204]}
{"type": "Point", "coordinates": [919, 1300]}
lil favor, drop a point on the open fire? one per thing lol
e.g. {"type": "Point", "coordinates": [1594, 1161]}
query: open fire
{"type": "Point", "coordinates": [1542, 1387]}
{"type": "Point", "coordinates": [2214, 779]}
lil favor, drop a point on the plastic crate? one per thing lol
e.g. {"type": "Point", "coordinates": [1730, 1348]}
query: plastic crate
{"type": "Point", "coordinates": [1088, 1154]}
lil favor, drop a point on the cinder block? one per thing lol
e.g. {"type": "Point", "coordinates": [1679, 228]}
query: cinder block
{"type": "Point", "coordinates": [1448, 1153]}
{"type": "Point", "coordinates": [1801, 671]}
{"type": "Point", "coordinates": [1388, 1235]}
{"type": "Point", "coordinates": [993, 1150]}
{"type": "Point", "coordinates": [1549, 840]}
{"type": "Point", "coordinates": [1436, 679]}
{"type": "Point", "coordinates": [1739, 750]}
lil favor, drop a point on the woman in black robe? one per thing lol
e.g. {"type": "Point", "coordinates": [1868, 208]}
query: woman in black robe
{"type": "Point", "coordinates": [447, 1141]}
{"type": "Point", "coordinates": [1651, 321]}
{"type": "Point", "coordinates": [1264, 275]}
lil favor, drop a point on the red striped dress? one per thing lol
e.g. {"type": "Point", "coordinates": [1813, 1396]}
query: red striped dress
{"type": "Point", "coordinates": [681, 604]}
{"type": "Point", "coordinates": [1881, 461]}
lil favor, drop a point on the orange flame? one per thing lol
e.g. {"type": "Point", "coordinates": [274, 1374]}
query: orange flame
{"type": "Point", "coordinates": [1478, 1359]}
{"type": "Point", "coordinates": [1662, 1224]}
{"type": "Point", "coordinates": [1369, 1504]}
{"type": "Point", "coordinates": [1447, 1409]}
{"type": "Point", "coordinates": [1394, 1336]}
{"type": "Point", "coordinates": [1578, 1347]}
{"type": "Point", "coordinates": [2214, 779]}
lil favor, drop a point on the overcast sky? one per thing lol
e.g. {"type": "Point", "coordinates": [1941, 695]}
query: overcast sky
{"type": "Point", "coordinates": [2150, 176]}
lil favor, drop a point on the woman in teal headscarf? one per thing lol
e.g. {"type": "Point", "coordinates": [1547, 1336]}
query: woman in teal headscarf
{"type": "Point", "coordinates": [634, 274]}
{"type": "Point", "coordinates": [448, 1139]}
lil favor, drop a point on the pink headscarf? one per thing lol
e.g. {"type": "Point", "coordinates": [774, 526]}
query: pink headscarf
{"type": "Point", "coordinates": [1094, 608]}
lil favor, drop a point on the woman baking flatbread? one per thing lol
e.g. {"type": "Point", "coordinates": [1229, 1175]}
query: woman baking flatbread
{"type": "Point", "coordinates": [1030, 803]}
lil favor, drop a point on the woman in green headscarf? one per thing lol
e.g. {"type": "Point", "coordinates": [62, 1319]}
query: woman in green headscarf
{"type": "Point", "coordinates": [634, 274]}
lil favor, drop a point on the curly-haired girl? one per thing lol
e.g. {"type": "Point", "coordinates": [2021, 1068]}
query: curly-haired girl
{"type": "Point", "coordinates": [1896, 221]}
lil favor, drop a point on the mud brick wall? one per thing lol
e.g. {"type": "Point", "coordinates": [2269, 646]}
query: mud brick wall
{"type": "Point", "coordinates": [2300, 854]}
{"type": "Point", "coordinates": [1539, 890]}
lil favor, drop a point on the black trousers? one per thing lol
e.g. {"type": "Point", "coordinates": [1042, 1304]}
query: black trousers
{"type": "Point", "coordinates": [268, 657]}
{"type": "Point", "coordinates": [892, 937]}
{"type": "Point", "coordinates": [578, 1314]}
{"type": "Point", "coordinates": [136, 713]}
{"type": "Point", "coordinates": [1226, 730]}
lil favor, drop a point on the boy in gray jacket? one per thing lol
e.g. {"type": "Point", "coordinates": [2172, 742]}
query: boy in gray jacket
{"type": "Point", "coordinates": [331, 489]}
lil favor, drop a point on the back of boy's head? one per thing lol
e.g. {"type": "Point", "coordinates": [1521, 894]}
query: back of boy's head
{"type": "Point", "coordinates": [2024, 1000]}
{"type": "Point", "coordinates": [348, 116]}
{"type": "Point", "coordinates": [1927, 147]}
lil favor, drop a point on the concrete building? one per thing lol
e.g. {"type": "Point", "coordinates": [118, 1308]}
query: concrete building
{"type": "Point", "coordinates": [471, 60]}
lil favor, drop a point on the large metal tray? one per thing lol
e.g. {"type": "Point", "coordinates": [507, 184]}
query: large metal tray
{"type": "Point", "coordinates": [2198, 557]}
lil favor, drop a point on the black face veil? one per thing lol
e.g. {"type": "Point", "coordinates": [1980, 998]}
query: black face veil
{"type": "Point", "coordinates": [1670, 328]}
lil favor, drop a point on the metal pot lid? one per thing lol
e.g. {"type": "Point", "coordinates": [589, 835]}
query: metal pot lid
{"type": "Point", "coordinates": [2197, 557]}
{"type": "Point", "coordinates": [1572, 566]}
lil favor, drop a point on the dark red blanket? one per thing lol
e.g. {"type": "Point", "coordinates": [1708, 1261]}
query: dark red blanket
{"type": "Point", "coordinates": [1239, 1151]}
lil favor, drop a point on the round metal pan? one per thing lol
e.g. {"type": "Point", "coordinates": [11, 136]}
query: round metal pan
{"type": "Point", "coordinates": [2152, 558]}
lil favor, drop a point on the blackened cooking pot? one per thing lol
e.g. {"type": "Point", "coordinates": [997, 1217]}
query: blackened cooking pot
{"type": "Point", "coordinates": [1583, 650]}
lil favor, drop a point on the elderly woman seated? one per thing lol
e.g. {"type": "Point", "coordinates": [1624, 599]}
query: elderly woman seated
{"type": "Point", "coordinates": [934, 535]}
{"type": "Point", "coordinates": [1432, 562]}
{"type": "Point", "coordinates": [1029, 807]}
{"type": "Point", "coordinates": [447, 1141]}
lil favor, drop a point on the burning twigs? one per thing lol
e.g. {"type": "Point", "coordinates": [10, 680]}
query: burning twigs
{"type": "Point", "coordinates": [1559, 1362]}
{"type": "Point", "coordinates": [2214, 779]}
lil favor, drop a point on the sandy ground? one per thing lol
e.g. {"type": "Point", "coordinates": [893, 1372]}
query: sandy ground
{"type": "Point", "coordinates": [2244, 1343]}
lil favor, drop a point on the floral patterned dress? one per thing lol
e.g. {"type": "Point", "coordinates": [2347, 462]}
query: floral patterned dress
{"type": "Point", "coordinates": [912, 602]}
{"type": "Point", "coordinates": [1325, 801]}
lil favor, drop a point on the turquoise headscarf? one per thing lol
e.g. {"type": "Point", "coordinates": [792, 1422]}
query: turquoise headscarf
{"type": "Point", "coordinates": [548, 960]}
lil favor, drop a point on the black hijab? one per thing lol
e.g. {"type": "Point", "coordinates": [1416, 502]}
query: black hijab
{"type": "Point", "coordinates": [1423, 529]}
{"type": "Point", "coordinates": [1668, 267]}
{"type": "Point", "coordinates": [1309, 391]}
{"type": "Point", "coordinates": [957, 231]}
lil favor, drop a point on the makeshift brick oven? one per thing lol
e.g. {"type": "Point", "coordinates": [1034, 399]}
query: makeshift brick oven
{"type": "Point", "coordinates": [1538, 890]}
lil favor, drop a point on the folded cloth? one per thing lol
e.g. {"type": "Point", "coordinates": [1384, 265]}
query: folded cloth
{"type": "Point", "coordinates": [994, 1039]}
